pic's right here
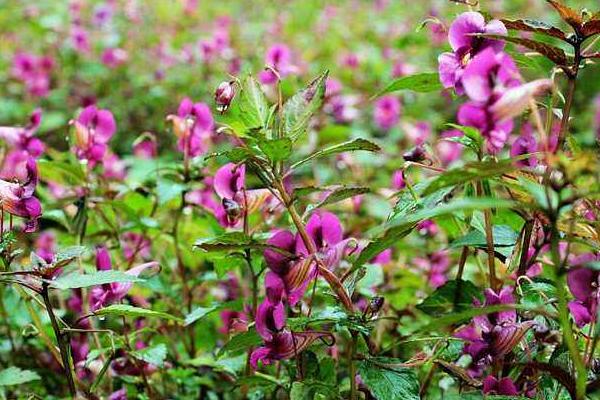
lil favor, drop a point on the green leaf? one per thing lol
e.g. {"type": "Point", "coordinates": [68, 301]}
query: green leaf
{"type": "Point", "coordinates": [77, 280]}
{"type": "Point", "coordinates": [61, 172]}
{"type": "Point", "coordinates": [136, 312]}
{"type": "Point", "coordinates": [343, 193]}
{"type": "Point", "coordinates": [504, 239]}
{"type": "Point", "coordinates": [538, 192]}
{"type": "Point", "coordinates": [454, 295]}
{"type": "Point", "coordinates": [17, 376]}
{"type": "Point", "coordinates": [68, 254]}
{"type": "Point", "coordinates": [253, 105]}
{"type": "Point", "coordinates": [387, 380]}
{"type": "Point", "coordinates": [200, 313]}
{"type": "Point", "coordinates": [241, 342]}
{"type": "Point", "coordinates": [300, 108]}
{"type": "Point", "coordinates": [459, 317]}
{"type": "Point", "coordinates": [353, 145]}
{"type": "Point", "coordinates": [470, 172]}
{"type": "Point", "coordinates": [232, 241]}
{"type": "Point", "coordinates": [421, 83]}
{"type": "Point", "coordinates": [154, 355]}
{"type": "Point", "coordinates": [276, 149]}
{"type": "Point", "coordinates": [376, 246]}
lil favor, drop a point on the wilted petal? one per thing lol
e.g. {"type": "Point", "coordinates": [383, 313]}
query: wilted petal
{"type": "Point", "coordinates": [517, 99]}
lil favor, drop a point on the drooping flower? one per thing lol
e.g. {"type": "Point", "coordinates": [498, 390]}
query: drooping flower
{"type": "Point", "coordinates": [465, 44]}
{"type": "Point", "coordinates": [492, 335]}
{"type": "Point", "coordinates": [193, 125]}
{"type": "Point", "coordinates": [17, 197]}
{"type": "Point", "coordinates": [504, 386]}
{"type": "Point", "coordinates": [109, 293]}
{"type": "Point", "coordinates": [387, 112]}
{"type": "Point", "coordinates": [93, 130]}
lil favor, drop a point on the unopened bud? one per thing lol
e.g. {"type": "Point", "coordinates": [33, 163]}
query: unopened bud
{"type": "Point", "coordinates": [224, 95]}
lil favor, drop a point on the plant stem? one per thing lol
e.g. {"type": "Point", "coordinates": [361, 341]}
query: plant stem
{"type": "Point", "coordinates": [564, 124]}
{"type": "Point", "coordinates": [489, 238]}
{"type": "Point", "coordinates": [523, 261]}
{"type": "Point", "coordinates": [352, 366]}
{"type": "Point", "coordinates": [63, 345]}
{"type": "Point", "coordinates": [563, 316]}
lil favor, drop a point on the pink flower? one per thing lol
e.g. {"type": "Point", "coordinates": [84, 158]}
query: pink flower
{"type": "Point", "coordinates": [419, 132]}
{"type": "Point", "coordinates": [279, 58]}
{"type": "Point", "coordinates": [114, 167]}
{"type": "Point", "coordinates": [16, 197]}
{"type": "Point", "coordinates": [34, 72]}
{"type": "Point", "coordinates": [45, 246]}
{"type": "Point", "coordinates": [387, 112]}
{"type": "Point", "coordinates": [145, 148]}
{"type": "Point", "coordinates": [448, 151]}
{"type": "Point", "coordinates": [93, 129]}
{"type": "Point", "coordinates": [398, 181]}
{"type": "Point", "coordinates": [193, 126]}
{"type": "Point", "coordinates": [114, 57]}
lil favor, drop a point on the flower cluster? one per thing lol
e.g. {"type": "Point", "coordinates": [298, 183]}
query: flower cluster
{"type": "Point", "coordinates": [34, 71]}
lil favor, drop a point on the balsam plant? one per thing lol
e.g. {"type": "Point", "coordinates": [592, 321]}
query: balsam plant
{"type": "Point", "coordinates": [283, 247]}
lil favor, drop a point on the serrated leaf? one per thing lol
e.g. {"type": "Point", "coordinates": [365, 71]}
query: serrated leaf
{"type": "Point", "coordinates": [353, 145]}
{"type": "Point", "coordinates": [200, 313]}
{"type": "Point", "coordinates": [556, 54]}
{"type": "Point", "coordinates": [276, 149]}
{"type": "Point", "coordinates": [470, 172]}
{"type": "Point", "coordinates": [388, 381]}
{"type": "Point", "coordinates": [61, 172]}
{"type": "Point", "coordinates": [453, 295]}
{"type": "Point", "coordinates": [154, 355]}
{"type": "Point", "coordinates": [569, 15]}
{"type": "Point", "coordinates": [253, 105]}
{"type": "Point", "coordinates": [77, 280]}
{"type": "Point", "coordinates": [16, 376]}
{"type": "Point", "coordinates": [300, 108]}
{"type": "Point", "coordinates": [421, 83]}
{"type": "Point", "coordinates": [241, 342]}
{"type": "Point", "coordinates": [343, 193]}
{"type": "Point", "coordinates": [529, 25]}
{"type": "Point", "coordinates": [136, 312]}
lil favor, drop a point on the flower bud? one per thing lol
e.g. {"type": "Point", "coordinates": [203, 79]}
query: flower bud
{"type": "Point", "coordinates": [224, 95]}
{"type": "Point", "coordinates": [416, 154]}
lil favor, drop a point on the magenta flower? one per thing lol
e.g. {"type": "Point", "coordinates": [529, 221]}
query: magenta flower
{"type": "Point", "coordinates": [34, 72]}
{"type": "Point", "coordinates": [45, 246]}
{"type": "Point", "coordinates": [435, 266]}
{"type": "Point", "coordinates": [387, 112]}
{"type": "Point", "coordinates": [584, 283]}
{"type": "Point", "coordinates": [419, 132]}
{"type": "Point", "coordinates": [229, 184]}
{"type": "Point", "coordinates": [114, 167]}
{"type": "Point", "coordinates": [135, 245]}
{"type": "Point", "coordinates": [466, 45]}
{"type": "Point", "coordinates": [295, 267]}
{"type": "Point", "coordinates": [80, 39]}
{"type": "Point", "coordinates": [16, 197]}
{"type": "Point", "coordinates": [504, 386]}
{"type": "Point", "coordinates": [449, 151]}
{"type": "Point", "coordinates": [145, 148]}
{"type": "Point", "coordinates": [101, 296]}
{"type": "Point", "coordinates": [525, 144]}
{"type": "Point", "coordinates": [493, 335]}
{"type": "Point", "coordinates": [343, 109]}
{"type": "Point", "coordinates": [93, 129]}
{"type": "Point", "coordinates": [114, 57]}
{"type": "Point", "coordinates": [193, 126]}
{"type": "Point", "coordinates": [278, 58]}
{"type": "Point", "coordinates": [22, 138]}
{"type": "Point", "coordinates": [398, 180]}
{"type": "Point", "coordinates": [285, 344]}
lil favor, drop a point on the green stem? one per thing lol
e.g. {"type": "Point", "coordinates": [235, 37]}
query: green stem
{"type": "Point", "coordinates": [61, 339]}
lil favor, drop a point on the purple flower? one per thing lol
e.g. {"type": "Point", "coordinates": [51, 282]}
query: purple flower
{"type": "Point", "coordinates": [278, 58]}
{"type": "Point", "coordinates": [224, 95]}
{"type": "Point", "coordinates": [229, 184]}
{"type": "Point", "coordinates": [93, 130]}
{"type": "Point", "coordinates": [525, 144]}
{"type": "Point", "coordinates": [295, 267]}
{"type": "Point", "coordinates": [193, 126]}
{"type": "Point", "coordinates": [504, 386]}
{"type": "Point", "coordinates": [145, 147]}
{"type": "Point", "coordinates": [45, 246]}
{"type": "Point", "coordinates": [34, 72]}
{"type": "Point", "coordinates": [101, 296]}
{"type": "Point", "coordinates": [493, 335]}
{"type": "Point", "coordinates": [114, 167]}
{"type": "Point", "coordinates": [387, 112]}
{"type": "Point", "coordinates": [16, 197]}
{"type": "Point", "coordinates": [419, 132]}
{"type": "Point", "coordinates": [398, 180]}
{"type": "Point", "coordinates": [80, 39]}
{"type": "Point", "coordinates": [114, 57]}
{"type": "Point", "coordinates": [449, 151]}
{"type": "Point", "coordinates": [435, 266]}
{"type": "Point", "coordinates": [583, 283]}
{"type": "Point", "coordinates": [466, 45]}
{"type": "Point", "coordinates": [285, 344]}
